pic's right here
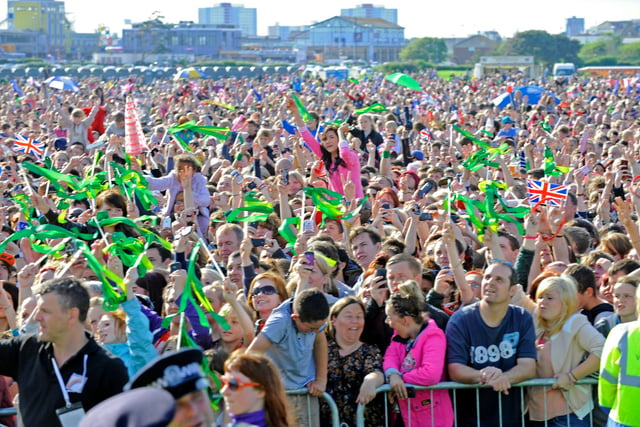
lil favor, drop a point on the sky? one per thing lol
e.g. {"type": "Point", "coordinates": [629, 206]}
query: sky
{"type": "Point", "coordinates": [419, 18]}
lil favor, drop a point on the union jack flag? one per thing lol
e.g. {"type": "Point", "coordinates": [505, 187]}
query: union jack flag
{"type": "Point", "coordinates": [23, 144]}
{"type": "Point", "coordinates": [425, 135]}
{"type": "Point", "coordinates": [546, 193]}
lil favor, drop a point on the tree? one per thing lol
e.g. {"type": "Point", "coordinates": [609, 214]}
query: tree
{"type": "Point", "coordinates": [151, 35]}
{"type": "Point", "coordinates": [595, 52]}
{"type": "Point", "coordinates": [430, 49]}
{"type": "Point", "coordinates": [630, 54]}
{"type": "Point", "coordinates": [544, 47]}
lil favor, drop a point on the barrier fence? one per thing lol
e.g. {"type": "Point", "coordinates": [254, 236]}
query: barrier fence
{"type": "Point", "coordinates": [335, 416]}
{"type": "Point", "coordinates": [453, 386]}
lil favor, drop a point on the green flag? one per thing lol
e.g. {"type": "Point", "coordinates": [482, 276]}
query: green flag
{"type": "Point", "coordinates": [550, 167]}
{"type": "Point", "coordinates": [301, 108]}
{"type": "Point", "coordinates": [373, 108]}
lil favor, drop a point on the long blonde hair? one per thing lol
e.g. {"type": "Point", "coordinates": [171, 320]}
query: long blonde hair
{"type": "Point", "coordinates": [330, 287]}
{"type": "Point", "coordinates": [568, 291]}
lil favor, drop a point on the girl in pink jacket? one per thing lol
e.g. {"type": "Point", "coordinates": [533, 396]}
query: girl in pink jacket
{"type": "Point", "coordinates": [416, 356]}
{"type": "Point", "coordinates": [342, 163]}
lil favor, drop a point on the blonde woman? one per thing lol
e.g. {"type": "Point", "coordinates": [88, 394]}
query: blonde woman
{"type": "Point", "coordinates": [563, 338]}
{"type": "Point", "coordinates": [312, 270]}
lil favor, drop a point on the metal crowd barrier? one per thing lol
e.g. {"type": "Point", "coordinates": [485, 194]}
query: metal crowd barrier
{"type": "Point", "coordinates": [7, 412]}
{"type": "Point", "coordinates": [360, 421]}
{"type": "Point", "coordinates": [453, 386]}
{"type": "Point", "coordinates": [335, 416]}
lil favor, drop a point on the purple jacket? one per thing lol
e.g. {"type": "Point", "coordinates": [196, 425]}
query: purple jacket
{"type": "Point", "coordinates": [349, 157]}
{"type": "Point", "coordinates": [421, 362]}
{"type": "Point", "coordinates": [201, 196]}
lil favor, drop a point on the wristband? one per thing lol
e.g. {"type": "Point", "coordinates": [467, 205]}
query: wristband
{"type": "Point", "coordinates": [386, 154]}
{"type": "Point", "coordinates": [572, 377]}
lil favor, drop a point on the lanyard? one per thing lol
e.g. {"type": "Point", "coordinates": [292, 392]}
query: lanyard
{"type": "Point", "coordinates": [63, 388]}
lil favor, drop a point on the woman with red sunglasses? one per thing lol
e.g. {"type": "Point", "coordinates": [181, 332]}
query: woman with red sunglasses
{"type": "Point", "coordinates": [253, 391]}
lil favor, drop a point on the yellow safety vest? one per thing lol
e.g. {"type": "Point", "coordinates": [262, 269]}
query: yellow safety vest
{"type": "Point", "coordinates": [619, 384]}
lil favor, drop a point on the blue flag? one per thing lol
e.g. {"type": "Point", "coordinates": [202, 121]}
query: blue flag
{"type": "Point", "coordinates": [16, 88]}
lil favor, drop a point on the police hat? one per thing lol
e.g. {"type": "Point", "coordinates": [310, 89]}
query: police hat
{"type": "Point", "coordinates": [144, 407]}
{"type": "Point", "coordinates": [177, 372]}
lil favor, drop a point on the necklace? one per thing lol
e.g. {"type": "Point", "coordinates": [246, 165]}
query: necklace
{"type": "Point", "coordinates": [346, 350]}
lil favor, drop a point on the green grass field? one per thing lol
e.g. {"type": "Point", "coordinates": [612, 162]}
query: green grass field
{"type": "Point", "coordinates": [445, 74]}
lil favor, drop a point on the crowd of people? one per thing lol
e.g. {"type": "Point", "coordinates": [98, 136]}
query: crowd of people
{"type": "Point", "coordinates": [163, 243]}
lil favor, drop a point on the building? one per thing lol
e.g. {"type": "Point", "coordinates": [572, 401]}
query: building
{"type": "Point", "coordinates": [470, 49]}
{"type": "Point", "coordinates": [286, 32]}
{"type": "Point", "coordinates": [263, 49]}
{"type": "Point", "coordinates": [29, 43]}
{"type": "Point", "coordinates": [203, 41]}
{"type": "Point", "coordinates": [230, 15]}
{"type": "Point", "coordinates": [43, 17]}
{"type": "Point", "coordinates": [575, 26]}
{"type": "Point", "coordinates": [363, 39]}
{"type": "Point", "coordinates": [624, 29]}
{"type": "Point", "coordinates": [81, 46]}
{"type": "Point", "coordinates": [370, 11]}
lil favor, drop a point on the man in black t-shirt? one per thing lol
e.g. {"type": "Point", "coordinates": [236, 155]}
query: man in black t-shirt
{"type": "Point", "coordinates": [61, 367]}
{"type": "Point", "coordinates": [491, 342]}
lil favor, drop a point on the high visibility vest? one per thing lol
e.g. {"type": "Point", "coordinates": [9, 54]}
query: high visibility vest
{"type": "Point", "coordinates": [619, 383]}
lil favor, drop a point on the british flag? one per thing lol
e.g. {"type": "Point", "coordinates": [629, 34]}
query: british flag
{"type": "Point", "coordinates": [23, 144]}
{"type": "Point", "coordinates": [546, 193]}
{"type": "Point", "coordinates": [425, 135]}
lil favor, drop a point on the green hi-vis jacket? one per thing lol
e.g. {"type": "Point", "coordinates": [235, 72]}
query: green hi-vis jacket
{"type": "Point", "coordinates": [619, 384]}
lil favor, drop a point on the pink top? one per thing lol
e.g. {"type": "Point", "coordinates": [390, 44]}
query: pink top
{"type": "Point", "coordinates": [422, 364]}
{"type": "Point", "coordinates": [350, 158]}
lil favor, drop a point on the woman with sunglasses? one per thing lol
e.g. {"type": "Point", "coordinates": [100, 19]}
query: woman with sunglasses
{"type": "Point", "coordinates": [253, 391]}
{"type": "Point", "coordinates": [266, 292]}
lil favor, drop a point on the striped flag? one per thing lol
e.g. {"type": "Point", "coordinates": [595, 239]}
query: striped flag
{"type": "Point", "coordinates": [134, 140]}
{"type": "Point", "coordinates": [522, 160]}
{"type": "Point", "coordinates": [426, 135]}
{"type": "Point", "coordinates": [546, 193]}
{"type": "Point", "coordinates": [23, 144]}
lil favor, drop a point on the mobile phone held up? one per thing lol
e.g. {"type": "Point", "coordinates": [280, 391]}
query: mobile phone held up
{"type": "Point", "coordinates": [237, 176]}
{"type": "Point", "coordinates": [257, 243]}
{"type": "Point", "coordinates": [425, 189]}
{"type": "Point", "coordinates": [426, 216]}
{"type": "Point", "coordinates": [310, 257]}
{"type": "Point", "coordinates": [284, 176]}
{"type": "Point", "coordinates": [382, 272]}
{"type": "Point", "coordinates": [308, 226]}
{"type": "Point", "coordinates": [166, 222]}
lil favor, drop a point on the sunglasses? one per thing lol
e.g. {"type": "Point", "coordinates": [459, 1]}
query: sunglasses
{"type": "Point", "coordinates": [234, 384]}
{"type": "Point", "coordinates": [265, 290]}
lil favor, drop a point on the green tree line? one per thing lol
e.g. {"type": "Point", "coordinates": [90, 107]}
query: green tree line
{"type": "Point", "coordinates": [546, 48]}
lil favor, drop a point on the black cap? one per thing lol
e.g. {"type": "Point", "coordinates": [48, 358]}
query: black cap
{"type": "Point", "coordinates": [177, 372]}
{"type": "Point", "coordinates": [143, 407]}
